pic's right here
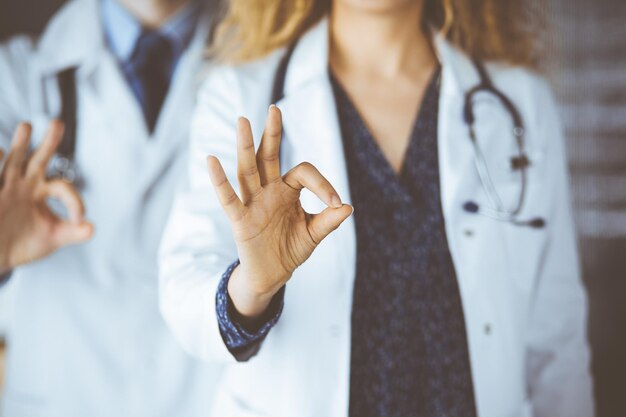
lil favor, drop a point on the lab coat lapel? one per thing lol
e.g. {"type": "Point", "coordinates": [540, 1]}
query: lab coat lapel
{"type": "Point", "coordinates": [456, 182]}
{"type": "Point", "coordinates": [308, 107]}
{"type": "Point", "coordinates": [454, 146]}
{"type": "Point", "coordinates": [459, 182]}
{"type": "Point", "coordinates": [73, 38]}
{"type": "Point", "coordinates": [312, 133]}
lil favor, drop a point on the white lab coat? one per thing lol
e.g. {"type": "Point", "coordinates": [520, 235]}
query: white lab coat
{"type": "Point", "coordinates": [525, 308]}
{"type": "Point", "coordinates": [86, 337]}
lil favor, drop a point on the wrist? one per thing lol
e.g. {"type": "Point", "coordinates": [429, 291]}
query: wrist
{"type": "Point", "coordinates": [249, 302]}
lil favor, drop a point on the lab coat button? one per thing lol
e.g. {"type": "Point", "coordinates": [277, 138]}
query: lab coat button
{"type": "Point", "coordinates": [487, 329]}
{"type": "Point", "coordinates": [468, 232]}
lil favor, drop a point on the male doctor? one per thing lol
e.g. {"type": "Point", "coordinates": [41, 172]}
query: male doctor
{"type": "Point", "coordinates": [82, 214]}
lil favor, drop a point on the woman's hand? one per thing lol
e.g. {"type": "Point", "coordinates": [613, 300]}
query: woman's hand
{"type": "Point", "coordinates": [274, 235]}
{"type": "Point", "coordinates": [29, 230]}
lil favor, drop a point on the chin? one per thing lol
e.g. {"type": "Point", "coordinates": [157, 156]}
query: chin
{"type": "Point", "coordinates": [380, 6]}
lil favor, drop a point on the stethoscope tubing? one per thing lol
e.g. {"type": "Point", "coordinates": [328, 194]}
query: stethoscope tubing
{"type": "Point", "coordinates": [519, 162]}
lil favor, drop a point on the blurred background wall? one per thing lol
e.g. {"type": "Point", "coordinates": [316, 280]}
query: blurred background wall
{"type": "Point", "coordinates": [589, 77]}
{"type": "Point", "coordinates": [587, 67]}
{"type": "Point", "coordinates": [25, 16]}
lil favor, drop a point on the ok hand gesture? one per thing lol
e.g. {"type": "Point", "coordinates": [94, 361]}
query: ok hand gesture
{"type": "Point", "coordinates": [29, 230]}
{"type": "Point", "coordinates": [274, 235]}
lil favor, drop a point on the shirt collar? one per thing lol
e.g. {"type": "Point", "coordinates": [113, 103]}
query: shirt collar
{"type": "Point", "coordinates": [122, 29]}
{"type": "Point", "coordinates": [179, 28]}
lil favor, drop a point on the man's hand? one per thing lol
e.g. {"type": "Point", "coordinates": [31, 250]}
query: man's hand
{"type": "Point", "coordinates": [29, 230]}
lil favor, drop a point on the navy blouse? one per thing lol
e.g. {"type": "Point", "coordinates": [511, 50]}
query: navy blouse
{"type": "Point", "coordinates": [409, 347]}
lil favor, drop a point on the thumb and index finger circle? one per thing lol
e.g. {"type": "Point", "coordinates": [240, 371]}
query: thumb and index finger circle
{"type": "Point", "coordinates": [322, 224]}
{"type": "Point", "coordinates": [75, 229]}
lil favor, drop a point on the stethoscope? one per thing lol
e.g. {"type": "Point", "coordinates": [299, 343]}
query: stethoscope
{"type": "Point", "coordinates": [519, 162]}
{"type": "Point", "coordinates": [63, 166]}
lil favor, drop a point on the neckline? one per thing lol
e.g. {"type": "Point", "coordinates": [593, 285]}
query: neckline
{"type": "Point", "coordinates": [395, 182]}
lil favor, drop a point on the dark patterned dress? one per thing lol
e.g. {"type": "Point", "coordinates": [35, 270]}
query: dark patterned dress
{"type": "Point", "coordinates": [409, 347]}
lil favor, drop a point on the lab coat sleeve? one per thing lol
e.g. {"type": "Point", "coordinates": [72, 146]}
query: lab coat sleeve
{"type": "Point", "coordinates": [558, 353]}
{"type": "Point", "coordinates": [197, 245]}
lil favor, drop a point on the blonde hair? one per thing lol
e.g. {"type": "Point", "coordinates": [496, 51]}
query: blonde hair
{"type": "Point", "coordinates": [494, 30]}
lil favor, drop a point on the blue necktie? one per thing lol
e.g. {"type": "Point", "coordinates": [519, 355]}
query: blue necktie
{"type": "Point", "coordinates": [150, 72]}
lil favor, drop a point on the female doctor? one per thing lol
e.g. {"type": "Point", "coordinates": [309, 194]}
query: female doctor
{"type": "Point", "coordinates": [451, 289]}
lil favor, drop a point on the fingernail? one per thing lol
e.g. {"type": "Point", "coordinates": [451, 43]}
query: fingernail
{"type": "Point", "coordinates": [335, 201]}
